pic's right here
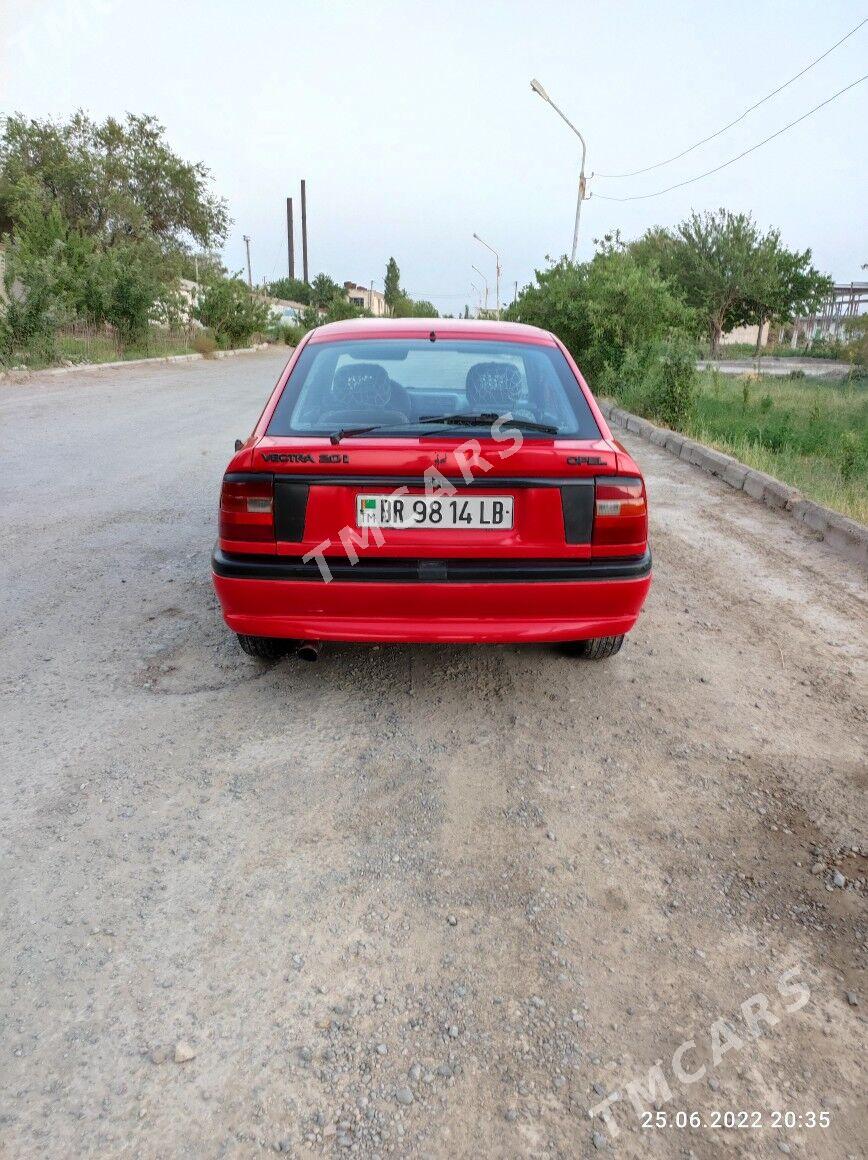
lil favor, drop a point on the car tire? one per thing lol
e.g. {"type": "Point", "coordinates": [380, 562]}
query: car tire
{"type": "Point", "coordinates": [596, 649]}
{"type": "Point", "coordinates": [264, 648]}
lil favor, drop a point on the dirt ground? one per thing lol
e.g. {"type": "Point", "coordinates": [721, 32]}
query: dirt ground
{"type": "Point", "coordinates": [412, 901]}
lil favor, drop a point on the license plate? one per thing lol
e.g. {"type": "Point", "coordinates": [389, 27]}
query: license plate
{"type": "Point", "coordinates": [492, 512]}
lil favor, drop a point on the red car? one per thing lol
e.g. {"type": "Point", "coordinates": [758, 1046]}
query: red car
{"type": "Point", "coordinates": [431, 480]}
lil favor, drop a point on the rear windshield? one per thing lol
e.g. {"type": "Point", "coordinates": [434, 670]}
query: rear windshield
{"type": "Point", "coordinates": [400, 385]}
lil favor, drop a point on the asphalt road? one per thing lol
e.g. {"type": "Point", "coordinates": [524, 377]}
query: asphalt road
{"type": "Point", "coordinates": [411, 901]}
{"type": "Point", "coordinates": [812, 368]}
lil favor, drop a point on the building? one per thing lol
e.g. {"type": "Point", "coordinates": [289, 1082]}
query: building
{"type": "Point", "coordinates": [742, 335]}
{"type": "Point", "coordinates": [366, 298]}
{"type": "Point", "coordinates": [847, 300]}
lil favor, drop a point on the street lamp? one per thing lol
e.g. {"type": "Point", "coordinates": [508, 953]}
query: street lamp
{"type": "Point", "coordinates": [496, 268]}
{"type": "Point", "coordinates": [485, 282]}
{"type": "Point", "coordinates": [540, 91]}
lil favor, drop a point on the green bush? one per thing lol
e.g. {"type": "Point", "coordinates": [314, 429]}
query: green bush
{"type": "Point", "coordinates": [33, 310]}
{"type": "Point", "coordinates": [288, 333]}
{"type": "Point", "coordinates": [604, 308]}
{"type": "Point", "coordinates": [231, 312]}
{"type": "Point", "coordinates": [778, 435]}
{"type": "Point", "coordinates": [130, 293]}
{"type": "Point", "coordinates": [674, 383]}
{"type": "Point", "coordinates": [337, 309]}
{"type": "Point", "coordinates": [824, 347]}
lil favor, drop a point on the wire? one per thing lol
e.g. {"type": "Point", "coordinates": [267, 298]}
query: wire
{"type": "Point", "coordinates": [780, 89]}
{"type": "Point", "coordinates": [717, 168]}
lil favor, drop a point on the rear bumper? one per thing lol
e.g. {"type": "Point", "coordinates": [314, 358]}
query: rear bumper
{"type": "Point", "coordinates": [432, 601]}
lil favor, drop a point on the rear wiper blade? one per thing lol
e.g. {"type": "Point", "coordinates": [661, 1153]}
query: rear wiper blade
{"type": "Point", "coordinates": [485, 419]}
{"type": "Point", "coordinates": [349, 432]}
{"type": "Point", "coordinates": [465, 418]}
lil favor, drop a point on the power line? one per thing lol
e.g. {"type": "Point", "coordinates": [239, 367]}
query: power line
{"type": "Point", "coordinates": [780, 89]}
{"type": "Point", "coordinates": [732, 160]}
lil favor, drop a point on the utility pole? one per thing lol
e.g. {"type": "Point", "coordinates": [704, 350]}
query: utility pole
{"type": "Point", "coordinates": [515, 294]}
{"type": "Point", "coordinates": [540, 91]}
{"type": "Point", "coordinates": [249, 275]}
{"type": "Point", "coordinates": [485, 284]}
{"type": "Point", "coordinates": [290, 239]}
{"type": "Point", "coordinates": [496, 269]}
{"type": "Point", "coordinates": [304, 232]}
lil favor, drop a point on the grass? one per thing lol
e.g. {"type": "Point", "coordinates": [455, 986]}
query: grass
{"type": "Point", "coordinates": [742, 350]}
{"type": "Point", "coordinates": [98, 346]}
{"type": "Point", "coordinates": [810, 434]}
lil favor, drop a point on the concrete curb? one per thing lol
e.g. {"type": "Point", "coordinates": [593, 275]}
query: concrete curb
{"type": "Point", "coordinates": [840, 532]}
{"type": "Point", "coordinates": [52, 372]}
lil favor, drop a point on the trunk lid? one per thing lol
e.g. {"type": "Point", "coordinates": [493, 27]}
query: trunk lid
{"type": "Point", "coordinates": [550, 484]}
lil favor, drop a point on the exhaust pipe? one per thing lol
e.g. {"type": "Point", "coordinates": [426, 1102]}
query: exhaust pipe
{"type": "Point", "coordinates": [308, 650]}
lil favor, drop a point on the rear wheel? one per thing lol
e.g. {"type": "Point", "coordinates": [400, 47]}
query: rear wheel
{"type": "Point", "coordinates": [264, 648]}
{"type": "Point", "coordinates": [596, 649]}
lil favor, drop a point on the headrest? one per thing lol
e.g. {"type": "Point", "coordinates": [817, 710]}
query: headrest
{"type": "Point", "coordinates": [493, 384]}
{"type": "Point", "coordinates": [361, 385]}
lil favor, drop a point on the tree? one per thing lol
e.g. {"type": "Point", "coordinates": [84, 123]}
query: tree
{"type": "Point", "coordinates": [715, 261]}
{"type": "Point", "coordinates": [784, 286]}
{"type": "Point", "coordinates": [730, 273]}
{"type": "Point", "coordinates": [111, 180]}
{"type": "Point", "coordinates": [201, 266]}
{"type": "Point", "coordinates": [392, 285]}
{"type": "Point", "coordinates": [290, 289]}
{"type": "Point", "coordinates": [324, 290]}
{"type": "Point", "coordinates": [406, 307]}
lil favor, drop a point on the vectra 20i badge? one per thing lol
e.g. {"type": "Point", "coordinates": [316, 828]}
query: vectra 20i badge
{"type": "Point", "coordinates": [431, 480]}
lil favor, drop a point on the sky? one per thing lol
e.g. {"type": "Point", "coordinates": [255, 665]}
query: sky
{"type": "Point", "coordinates": [415, 126]}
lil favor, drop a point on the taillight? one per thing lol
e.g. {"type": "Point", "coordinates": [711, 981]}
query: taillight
{"type": "Point", "coordinates": [247, 508]}
{"type": "Point", "coordinates": [620, 512]}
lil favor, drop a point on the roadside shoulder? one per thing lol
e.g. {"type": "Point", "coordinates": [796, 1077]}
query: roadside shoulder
{"type": "Point", "coordinates": [842, 533]}
{"type": "Point", "coordinates": [26, 376]}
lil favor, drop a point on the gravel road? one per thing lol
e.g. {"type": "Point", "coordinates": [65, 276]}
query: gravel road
{"type": "Point", "coordinates": [411, 901]}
